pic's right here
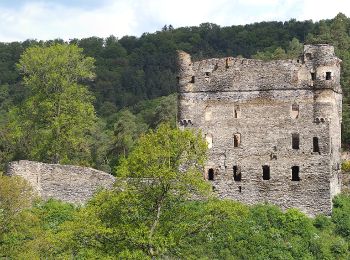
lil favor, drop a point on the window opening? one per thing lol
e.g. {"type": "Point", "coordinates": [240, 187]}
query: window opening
{"type": "Point", "coordinates": [328, 75]}
{"type": "Point", "coordinates": [308, 56]}
{"type": "Point", "coordinates": [313, 76]}
{"type": "Point", "coordinates": [240, 188]}
{"type": "Point", "coordinates": [295, 141]}
{"type": "Point", "coordinates": [192, 79]}
{"type": "Point", "coordinates": [211, 174]}
{"type": "Point", "coordinates": [295, 173]}
{"type": "Point", "coordinates": [316, 147]}
{"type": "Point", "coordinates": [236, 140]}
{"type": "Point", "coordinates": [237, 176]}
{"type": "Point", "coordinates": [295, 111]}
{"type": "Point", "coordinates": [237, 112]}
{"type": "Point", "coordinates": [266, 172]}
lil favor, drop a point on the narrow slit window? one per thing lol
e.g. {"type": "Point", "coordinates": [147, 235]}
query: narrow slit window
{"type": "Point", "coordinates": [211, 174]}
{"type": "Point", "coordinates": [316, 147]}
{"type": "Point", "coordinates": [227, 66]}
{"type": "Point", "coordinates": [236, 140]}
{"type": "Point", "coordinates": [178, 80]}
{"type": "Point", "coordinates": [239, 188]}
{"type": "Point", "coordinates": [295, 173]}
{"type": "Point", "coordinates": [266, 172]}
{"type": "Point", "coordinates": [236, 112]}
{"type": "Point", "coordinates": [328, 75]}
{"type": "Point", "coordinates": [295, 111]}
{"type": "Point", "coordinates": [313, 76]}
{"type": "Point", "coordinates": [192, 79]}
{"type": "Point", "coordinates": [237, 176]}
{"type": "Point", "coordinates": [295, 141]}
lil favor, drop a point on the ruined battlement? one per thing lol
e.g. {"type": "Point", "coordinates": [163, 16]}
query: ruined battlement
{"type": "Point", "coordinates": [317, 68]}
{"type": "Point", "coordinates": [273, 128]}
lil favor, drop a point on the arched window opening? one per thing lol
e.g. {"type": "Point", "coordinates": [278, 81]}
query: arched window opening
{"type": "Point", "coordinates": [295, 111]}
{"type": "Point", "coordinates": [192, 79]}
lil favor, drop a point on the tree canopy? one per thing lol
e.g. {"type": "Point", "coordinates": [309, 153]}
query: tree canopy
{"type": "Point", "coordinates": [55, 119]}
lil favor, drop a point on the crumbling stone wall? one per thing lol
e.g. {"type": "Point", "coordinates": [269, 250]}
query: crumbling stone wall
{"type": "Point", "coordinates": [249, 111]}
{"type": "Point", "coordinates": [68, 183]}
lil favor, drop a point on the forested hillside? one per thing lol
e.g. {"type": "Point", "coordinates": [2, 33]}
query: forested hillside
{"type": "Point", "coordinates": [101, 103]}
{"type": "Point", "coordinates": [135, 77]}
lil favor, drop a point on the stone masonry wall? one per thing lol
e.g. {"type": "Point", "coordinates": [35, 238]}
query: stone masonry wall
{"type": "Point", "coordinates": [68, 183]}
{"type": "Point", "coordinates": [264, 104]}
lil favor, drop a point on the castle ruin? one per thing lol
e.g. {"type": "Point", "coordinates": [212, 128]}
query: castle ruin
{"type": "Point", "coordinates": [273, 128]}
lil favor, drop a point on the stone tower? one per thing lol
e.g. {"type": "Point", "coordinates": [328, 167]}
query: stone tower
{"type": "Point", "coordinates": [273, 128]}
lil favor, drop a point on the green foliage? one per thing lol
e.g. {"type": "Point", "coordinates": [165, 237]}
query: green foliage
{"type": "Point", "coordinates": [55, 120]}
{"type": "Point", "coordinates": [341, 213]}
{"type": "Point", "coordinates": [166, 167]}
{"type": "Point", "coordinates": [117, 224]}
{"type": "Point", "coordinates": [345, 166]}
{"type": "Point", "coordinates": [16, 195]}
{"type": "Point", "coordinates": [144, 218]}
{"type": "Point", "coordinates": [294, 50]}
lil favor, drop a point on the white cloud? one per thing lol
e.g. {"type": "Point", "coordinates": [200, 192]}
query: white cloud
{"type": "Point", "coordinates": [49, 20]}
{"type": "Point", "coordinates": [317, 10]}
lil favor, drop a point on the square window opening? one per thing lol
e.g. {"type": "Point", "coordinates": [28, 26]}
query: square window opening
{"type": "Point", "coordinates": [328, 75]}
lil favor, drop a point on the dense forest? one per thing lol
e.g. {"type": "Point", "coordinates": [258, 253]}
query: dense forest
{"type": "Point", "coordinates": [111, 104]}
{"type": "Point", "coordinates": [136, 77]}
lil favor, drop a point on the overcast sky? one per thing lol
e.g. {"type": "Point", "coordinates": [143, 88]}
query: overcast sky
{"type": "Point", "coordinates": [68, 19]}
